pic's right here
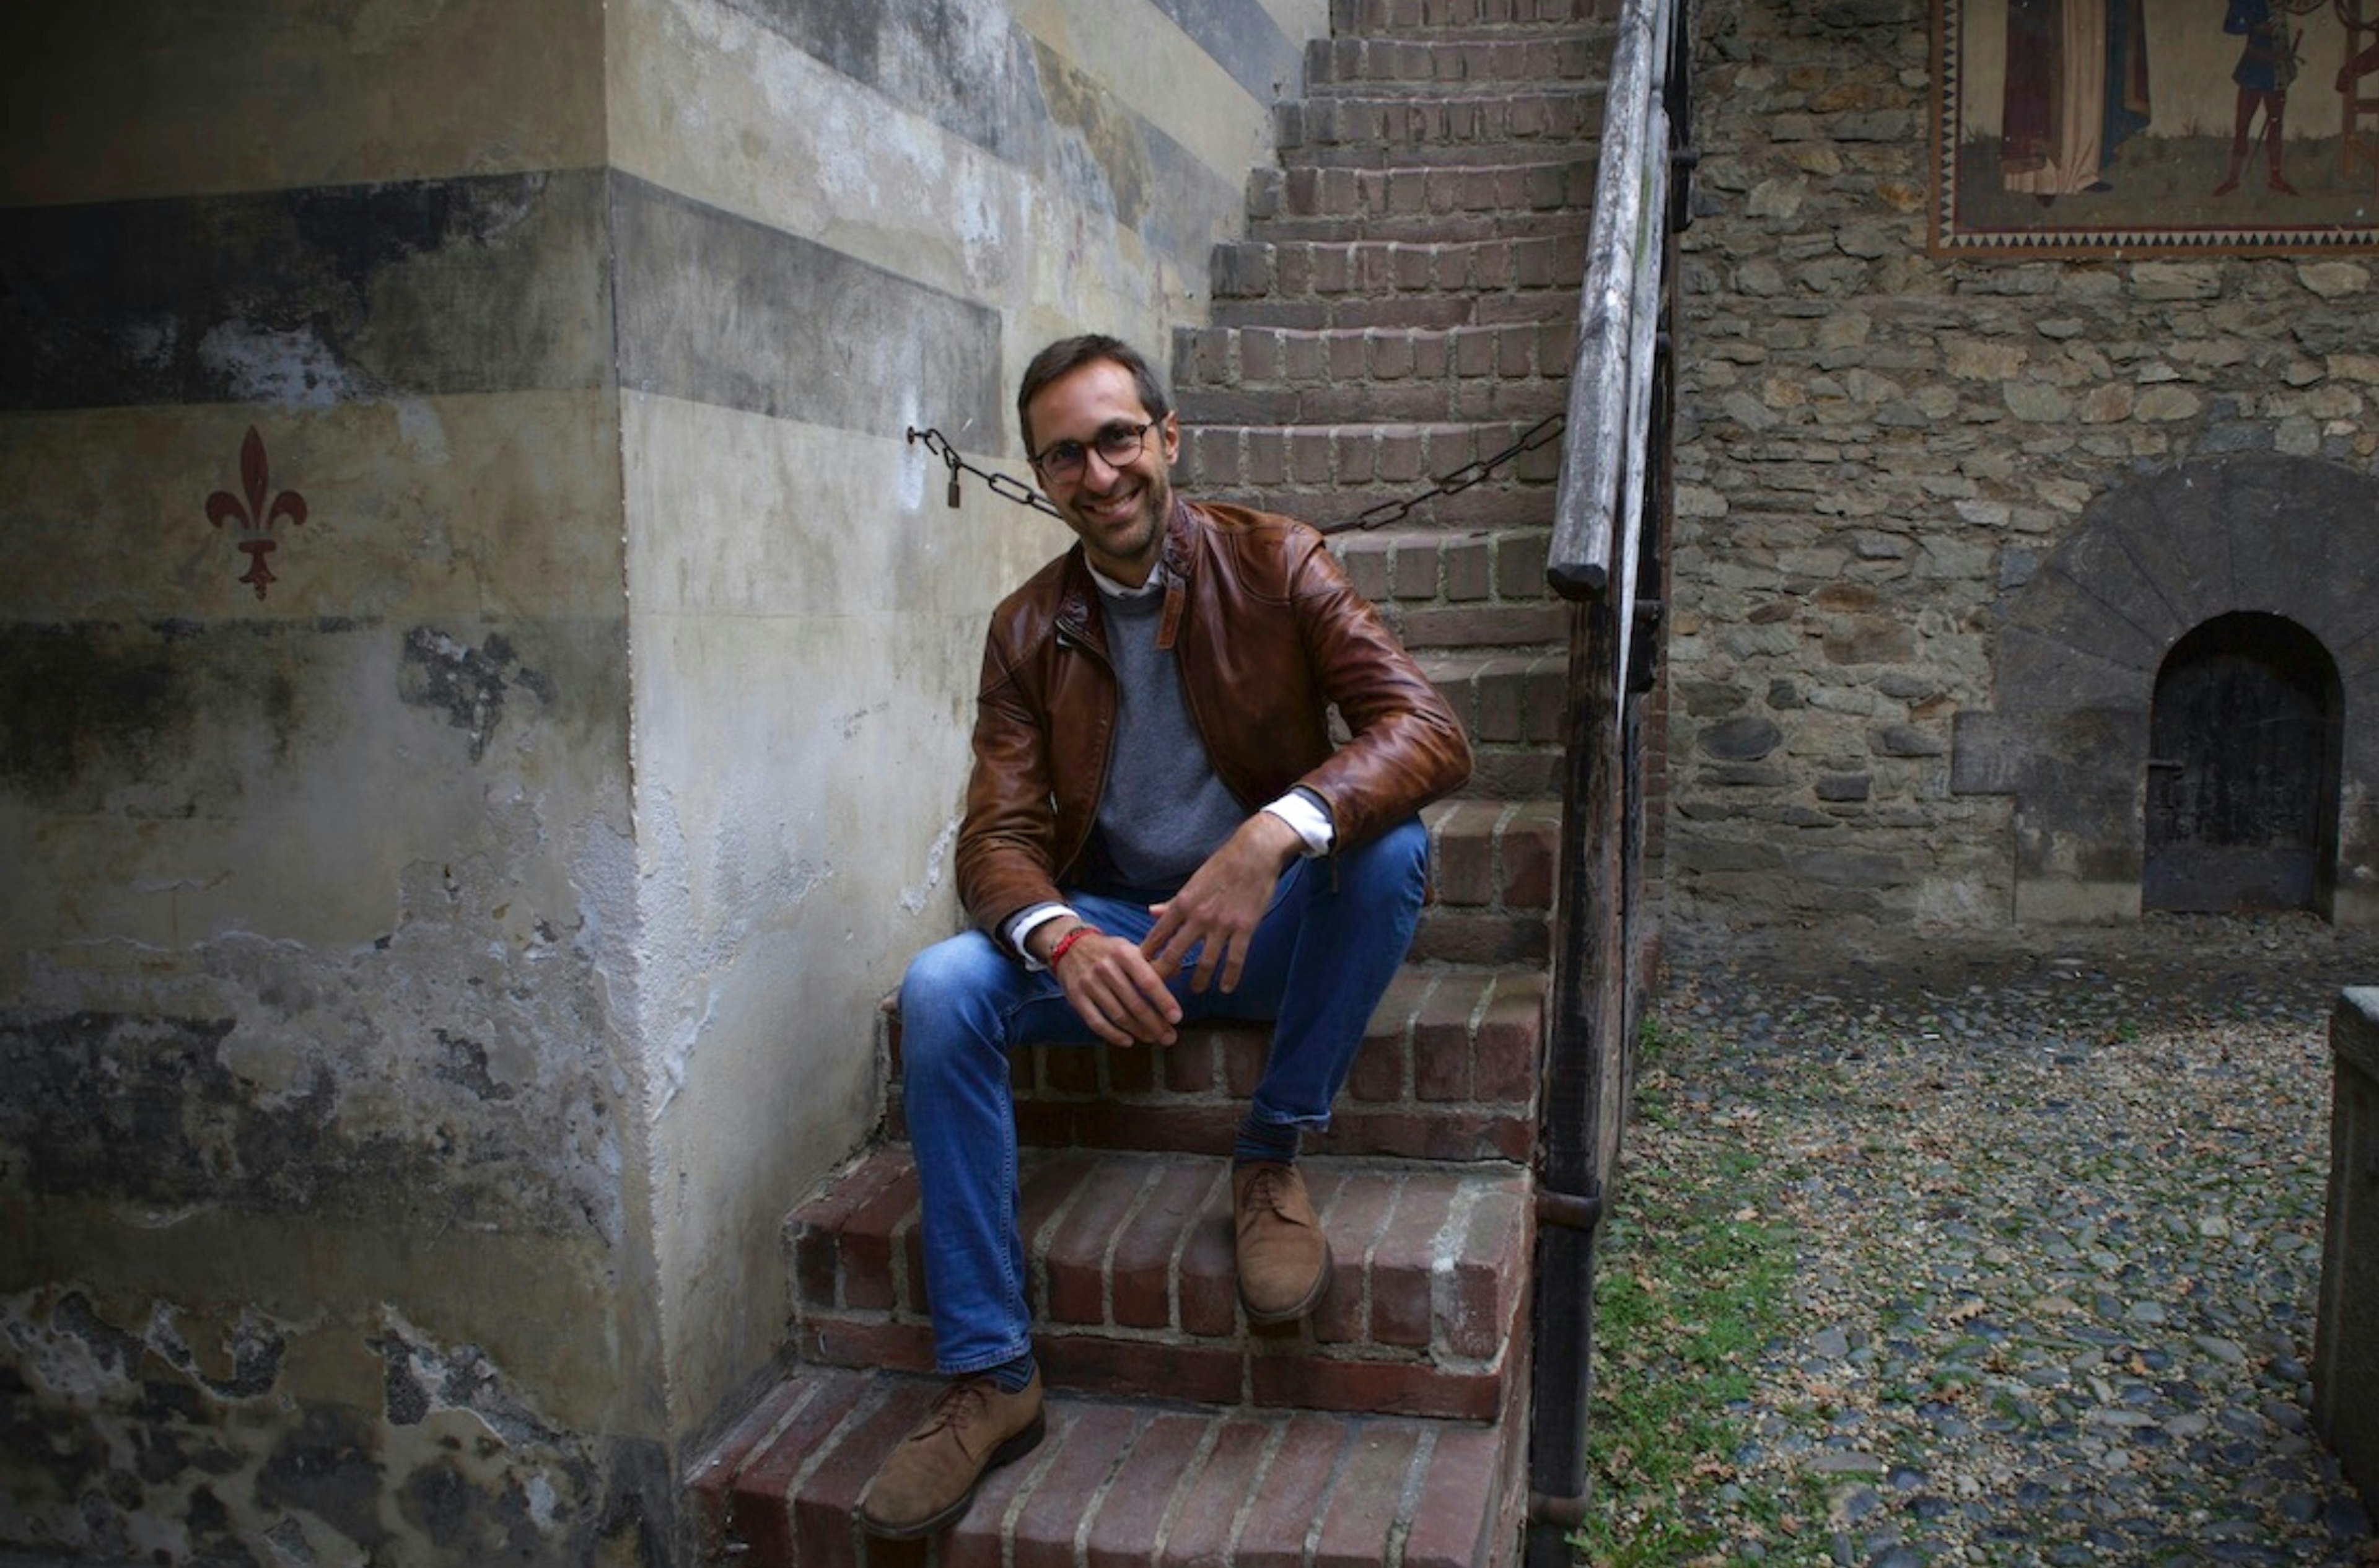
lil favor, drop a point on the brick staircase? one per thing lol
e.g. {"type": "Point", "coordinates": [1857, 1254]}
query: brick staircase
{"type": "Point", "coordinates": [1403, 306]}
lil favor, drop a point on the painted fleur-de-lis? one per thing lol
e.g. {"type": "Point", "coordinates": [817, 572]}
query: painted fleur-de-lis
{"type": "Point", "coordinates": [254, 517]}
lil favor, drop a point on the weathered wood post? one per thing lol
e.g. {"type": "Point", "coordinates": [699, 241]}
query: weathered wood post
{"type": "Point", "coordinates": [2345, 1332]}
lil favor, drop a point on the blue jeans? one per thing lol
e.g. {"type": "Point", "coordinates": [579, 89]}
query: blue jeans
{"type": "Point", "coordinates": [1320, 959]}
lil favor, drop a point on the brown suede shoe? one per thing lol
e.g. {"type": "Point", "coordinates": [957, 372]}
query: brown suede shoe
{"type": "Point", "coordinates": [927, 1482]}
{"type": "Point", "coordinates": [1284, 1262]}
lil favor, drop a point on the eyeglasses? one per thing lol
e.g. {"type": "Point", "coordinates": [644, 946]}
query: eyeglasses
{"type": "Point", "coordinates": [1062, 462]}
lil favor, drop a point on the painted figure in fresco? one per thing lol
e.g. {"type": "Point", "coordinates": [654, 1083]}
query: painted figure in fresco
{"type": "Point", "coordinates": [2076, 88]}
{"type": "Point", "coordinates": [2363, 65]}
{"type": "Point", "coordinates": [1158, 828]}
{"type": "Point", "coordinates": [2266, 66]}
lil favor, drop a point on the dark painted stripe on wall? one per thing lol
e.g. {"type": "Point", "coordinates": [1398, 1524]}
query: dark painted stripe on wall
{"type": "Point", "coordinates": [310, 296]}
{"type": "Point", "coordinates": [991, 89]}
{"type": "Point", "coordinates": [484, 284]}
{"type": "Point", "coordinates": [1244, 40]}
{"type": "Point", "coordinates": [717, 308]}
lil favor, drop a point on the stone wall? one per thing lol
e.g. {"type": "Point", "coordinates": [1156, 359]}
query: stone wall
{"type": "Point", "coordinates": [480, 711]}
{"type": "Point", "coordinates": [1881, 448]}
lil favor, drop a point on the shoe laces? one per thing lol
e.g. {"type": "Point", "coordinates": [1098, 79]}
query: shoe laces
{"type": "Point", "coordinates": [1264, 1186]}
{"type": "Point", "coordinates": [955, 1407]}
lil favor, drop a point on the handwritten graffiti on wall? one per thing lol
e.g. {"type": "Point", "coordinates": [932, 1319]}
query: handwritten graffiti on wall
{"type": "Point", "coordinates": [252, 517]}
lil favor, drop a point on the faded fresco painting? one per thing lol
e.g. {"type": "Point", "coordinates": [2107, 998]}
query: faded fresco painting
{"type": "Point", "coordinates": [2124, 126]}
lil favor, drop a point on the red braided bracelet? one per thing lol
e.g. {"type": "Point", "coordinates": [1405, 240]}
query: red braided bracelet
{"type": "Point", "coordinates": [1065, 942]}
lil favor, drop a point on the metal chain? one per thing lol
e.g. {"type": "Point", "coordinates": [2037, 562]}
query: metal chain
{"type": "Point", "coordinates": [1461, 479]}
{"type": "Point", "coordinates": [1001, 485]}
{"type": "Point", "coordinates": [1539, 434]}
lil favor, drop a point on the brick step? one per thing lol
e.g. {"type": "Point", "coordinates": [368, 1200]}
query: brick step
{"type": "Point", "coordinates": [1348, 126]}
{"type": "Point", "coordinates": [1129, 1262]}
{"type": "Point", "coordinates": [1442, 400]}
{"type": "Point", "coordinates": [1403, 570]}
{"type": "Point", "coordinates": [1351, 17]}
{"type": "Point", "coordinates": [1420, 228]}
{"type": "Point", "coordinates": [1434, 309]}
{"type": "Point", "coordinates": [1491, 856]}
{"type": "Point", "coordinates": [1545, 270]}
{"type": "Point", "coordinates": [1432, 133]}
{"type": "Point", "coordinates": [1528, 359]}
{"type": "Point", "coordinates": [1120, 1482]}
{"type": "Point", "coordinates": [1332, 473]}
{"type": "Point", "coordinates": [1423, 197]}
{"type": "Point", "coordinates": [1379, 63]}
{"type": "Point", "coordinates": [1447, 1069]}
{"type": "Point", "coordinates": [1503, 696]}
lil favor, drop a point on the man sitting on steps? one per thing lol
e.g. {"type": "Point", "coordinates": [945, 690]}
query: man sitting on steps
{"type": "Point", "coordinates": [1157, 830]}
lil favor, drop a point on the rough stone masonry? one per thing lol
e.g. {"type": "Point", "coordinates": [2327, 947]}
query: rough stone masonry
{"type": "Point", "coordinates": [1879, 448]}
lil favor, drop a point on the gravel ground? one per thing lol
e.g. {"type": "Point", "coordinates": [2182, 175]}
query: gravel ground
{"type": "Point", "coordinates": [2057, 1204]}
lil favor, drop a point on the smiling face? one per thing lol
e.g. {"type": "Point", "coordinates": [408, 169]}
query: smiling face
{"type": "Point", "coordinates": [1118, 511]}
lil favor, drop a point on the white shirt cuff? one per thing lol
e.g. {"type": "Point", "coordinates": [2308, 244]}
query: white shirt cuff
{"type": "Point", "coordinates": [1021, 924]}
{"type": "Point", "coordinates": [1303, 813]}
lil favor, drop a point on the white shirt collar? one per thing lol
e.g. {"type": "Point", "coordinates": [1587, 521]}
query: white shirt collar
{"type": "Point", "coordinates": [1109, 586]}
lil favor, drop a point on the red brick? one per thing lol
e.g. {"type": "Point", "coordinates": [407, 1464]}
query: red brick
{"type": "Point", "coordinates": [1046, 1184]}
{"type": "Point", "coordinates": [1208, 1373]}
{"type": "Point", "coordinates": [1194, 1130]}
{"type": "Point", "coordinates": [1531, 844]}
{"type": "Point", "coordinates": [1457, 1501]}
{"type": "Point", "coordinates": [1187, 1066]}
{"type": "Point", "coordinates": [824, 1529]}
{"type": "Point", "coordinates": [1353, 1224]}
{"type": "Point", "coordinates": [1379, 1071]}
{"type": "Point", "coordinates": [1068, 1069]}
{"type": "Point", "coordinates": [1506, 1053]}
{"type": "Point", "coordinates": [1462, 862]}
{"type": "Point", "coordinates": [1367, 1502]}
{"type": "Point", "coordinates": [760, 1509]}
{"type": "Point", "coordinates": [1260, 354]}
{"type": "Point", "coordinates": [1283, 1514]}
{"type": "Point", "coordinates": [1052, 1509]}
{"type": "Point", "coordinates": [835, 1342]}
{"type": "Point", "coordinates": [1140, 1276]}
{"type": "Point", "coordinates": [1441, 1039]}
{"type": "Point", "coordinates": [867, 1245]}
{"type": "Point", "coordinates": [1203, 1528]}
{"type": "Point", "coordinates": [714, 1478]}
{"type": "Point", "coordinates": [1467, 575]}
{"type": "Point", "coordinates": [1124, 1533]}
{"type": "Point", "coordinates": [1376, 1386]}
{"type": "Point", "coordinates": [1076, 1257]}
{"type": "Point", "coordinates": [1244, 1050]}
{"type": "Point", "coordinates": [1130, 1070]}
{"type": "Point", "coordinates": [1402, 1264]}
{"type": "Point", "coordinates": [1207, 1284]}
{"type": "Point", "coordinates": [819, 1226]}
{"type": "Point", "coordinates": [1484, 1292]}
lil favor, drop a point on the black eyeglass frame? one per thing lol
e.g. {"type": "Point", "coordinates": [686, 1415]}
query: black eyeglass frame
{"type": "Point", "coordinates": [1052, 463]}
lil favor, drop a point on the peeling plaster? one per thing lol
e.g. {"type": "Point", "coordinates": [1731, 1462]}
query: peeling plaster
{"type": "Point", "coordinates": [130, 1447]}
{"type": "Point", "coordinates": [914, 898]}
{"type": "Point", "coordinates": [260, 365]}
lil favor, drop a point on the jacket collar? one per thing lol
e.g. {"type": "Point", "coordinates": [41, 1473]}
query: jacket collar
{"type": "Point", "coordinates": [1078, 615]}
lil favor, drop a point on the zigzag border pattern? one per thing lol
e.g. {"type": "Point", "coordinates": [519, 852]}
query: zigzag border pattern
{"type": "Point", "coordinates": [2016, 244]}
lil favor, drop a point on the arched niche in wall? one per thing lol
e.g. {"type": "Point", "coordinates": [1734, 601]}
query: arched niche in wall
{"type": "Point", "coordinates": [2081, 644]}
{"type": "Point", "coordinates": [2243, 746]}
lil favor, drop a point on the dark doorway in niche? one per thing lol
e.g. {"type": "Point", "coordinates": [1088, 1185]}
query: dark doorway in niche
{"type": "Point", "coordinates": [2243, 751]}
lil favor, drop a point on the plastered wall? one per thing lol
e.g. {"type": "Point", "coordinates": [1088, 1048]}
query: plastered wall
{"type": "Point", "coordinates": [482, 701]}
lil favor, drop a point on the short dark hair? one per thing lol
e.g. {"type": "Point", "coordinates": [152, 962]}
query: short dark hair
{"type": "Point", "coordinates": [1069, 355]}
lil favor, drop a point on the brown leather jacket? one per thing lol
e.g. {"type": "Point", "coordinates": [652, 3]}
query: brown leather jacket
{"type": "Point", "coordinates": [1267, 633]}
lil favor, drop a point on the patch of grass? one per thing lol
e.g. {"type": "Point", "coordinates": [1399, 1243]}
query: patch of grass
{"type": "Point", "coordinates": [1691, 1284]}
